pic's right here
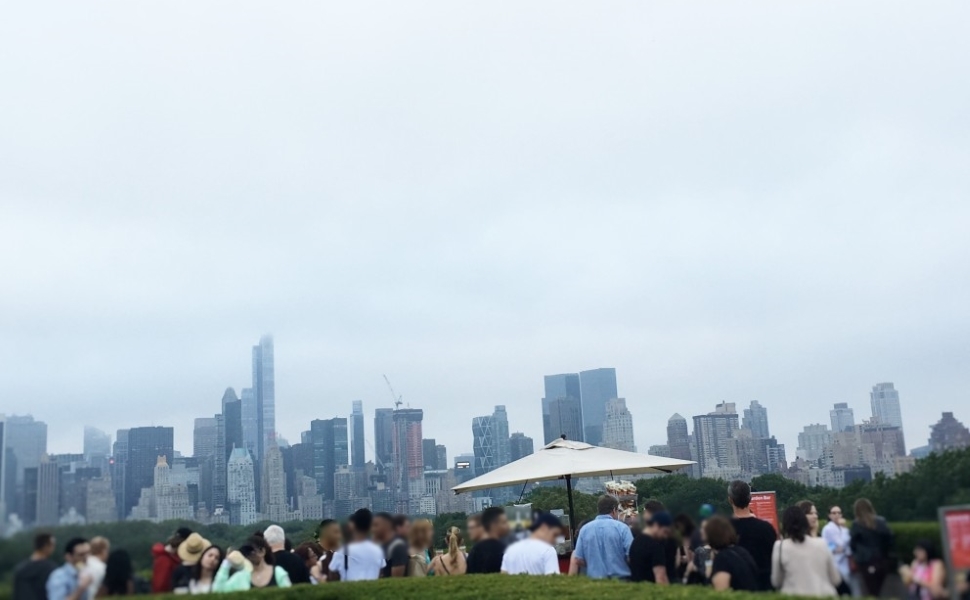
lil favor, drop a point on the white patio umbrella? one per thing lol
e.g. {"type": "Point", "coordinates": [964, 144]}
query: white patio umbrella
{"type": "Point", "coordinates": [566, 459]}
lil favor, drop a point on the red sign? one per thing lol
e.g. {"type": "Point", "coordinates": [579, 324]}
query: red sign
{"type": "Point", "coordinates": [957, 526]}
{"type": "Point", "coordinates": [764, 505]}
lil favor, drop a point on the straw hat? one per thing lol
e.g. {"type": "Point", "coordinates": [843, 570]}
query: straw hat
{"type": "Point", "coordinates": [191, 550]}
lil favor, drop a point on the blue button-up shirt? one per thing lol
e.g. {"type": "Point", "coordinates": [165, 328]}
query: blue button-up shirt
{"type": "Point", "coordinates": [62, 582]}
{"type": "Point", "coordinates": [604, 545]}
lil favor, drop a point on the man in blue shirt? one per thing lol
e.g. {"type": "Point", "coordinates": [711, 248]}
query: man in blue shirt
{"type": "Point", "coordinates": [67, 582]}
{"type": "Point", "coordinates": [603, 545]}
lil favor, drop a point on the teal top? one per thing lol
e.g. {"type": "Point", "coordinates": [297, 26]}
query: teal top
{"type": "Point", "coordinates": [242, 580]}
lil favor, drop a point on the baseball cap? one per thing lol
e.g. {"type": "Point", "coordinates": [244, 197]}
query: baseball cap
{"type": "Point", "coordinates": [662, 519]}
{"type": "Point", "coordinates": [547, 519]}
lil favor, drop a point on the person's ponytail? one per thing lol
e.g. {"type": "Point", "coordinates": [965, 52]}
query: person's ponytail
{"type": "Point", "coordinates": [454, 539]}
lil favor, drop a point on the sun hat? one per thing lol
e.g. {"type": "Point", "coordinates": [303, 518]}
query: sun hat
{"type": "Point", "coordinates": [191, 550]}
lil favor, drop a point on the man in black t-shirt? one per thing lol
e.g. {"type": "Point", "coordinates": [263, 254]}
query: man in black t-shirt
{"type": "Point", "coordinates": [486, 556]}
{"type": "Point", "coordinates": [754, 535]}
{"type": "Point", "coordinates": [648, 561]}
{"type": "Point", "coordinates": [395, 547]}
{"type": "Point", "coordinates": [30, 576]}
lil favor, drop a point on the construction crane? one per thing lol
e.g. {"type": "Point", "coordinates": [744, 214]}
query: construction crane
{"type": "Point", "coordinates": [397, 399]}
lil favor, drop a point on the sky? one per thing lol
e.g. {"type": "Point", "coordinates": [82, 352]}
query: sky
{"type": "Point", "coordinates": [725, 201]}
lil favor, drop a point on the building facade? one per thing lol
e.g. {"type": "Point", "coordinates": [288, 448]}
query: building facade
{"type": "Point", "coordinates": [565, 385]}
{"type": "Point", "coordinates": [145, 446]}
{"type": "Point", "coordinates": [597, 386]}
{"type": "Point", "coordinates": [842, 417]}
{"type": "Point", "coordinates": [618, 426]}
{"type": "Point", "coordinates": [330, 450]}
{"type": "Point", "coordinates": [264, 388]}
{"type": "Point", "coordinates": [948, 434]}
{"type": "Point", "coordinates": [408, 458]}
{"type": "Point", "coordinates": [678, 438]}
{"type": "Point", "coordinates": [357, 441]}
{"type": "Point", "coordinates": [714, 435]}
{"type": "Point", "coordinates": [384, 437]}
{"type": "Point", "coordinates": [812, 442]}
{"type": "Point", "coordinates": [521, 446]}
{"type": "Point", "coordinates": [756, 420]}
{"type": "Point", "coordinates": [241, 488]}
{"type": "Point", "coordinates": [885, 404]}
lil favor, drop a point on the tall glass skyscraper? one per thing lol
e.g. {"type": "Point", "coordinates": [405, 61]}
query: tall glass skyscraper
{"type": "Point", "coordinates": [885, 404]}
{"type": "Point", "coordinates": [145, 445]}
{"type": "Point", "coordinates": [678, 438]}
{"type": "Point", "coordinates": [384, 437]}
{"type": "Point", "coordinates": [264, 388]}
{"type": "Point", "coordinates": [330, 450]}
{"type": "Point", "coordinates": [25, 441]}
{"type": "Point", "coordinates": [250, 421]}
{"type": "Point", "coordinates": [565, 385]}
{"type": "Point", "coordinates": [408, 457]}
{"type": "Point", "coordinates": [596, 387]}
{"type": "Point", "coordinates": [357, 436]}
{"type": "Point", "coordinates": [491, 441]}
{"type": "Point", "coordinates": [756, 420]}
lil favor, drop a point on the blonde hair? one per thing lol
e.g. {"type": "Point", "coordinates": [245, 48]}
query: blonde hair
{"type": "Point", "coordinates": [422, 534]}
{"type": "Point", "coordinates": [454, 541]}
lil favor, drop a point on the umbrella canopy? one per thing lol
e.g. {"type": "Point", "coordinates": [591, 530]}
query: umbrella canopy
{"type": "Point", "coordinates": [566, 459]}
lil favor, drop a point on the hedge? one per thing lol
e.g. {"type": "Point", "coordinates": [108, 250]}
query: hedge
{"type": "Point", "coordinates": [475, 587]}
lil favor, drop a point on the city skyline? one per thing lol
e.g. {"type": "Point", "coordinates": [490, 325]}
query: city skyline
{"type": "Point", "coordinates": [883, 397]}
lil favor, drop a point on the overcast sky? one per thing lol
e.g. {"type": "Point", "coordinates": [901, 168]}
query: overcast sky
{"type": "Point", "coordinates": [723, 200]}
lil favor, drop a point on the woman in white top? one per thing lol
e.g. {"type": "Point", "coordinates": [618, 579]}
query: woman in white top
{"type": "Point", "coordinates": [204, 571]}
{"type": "Point", "coordinates": [801, 565]}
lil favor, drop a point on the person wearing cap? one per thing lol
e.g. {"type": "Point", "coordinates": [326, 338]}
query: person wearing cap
{"type": "Point", "coordinates": [648, 560]}
{"type": "Point", "coordinates": [535, 555]}
{"type": "Point", "coordinates": [165, 560]}
{"type": "Point", "coordinates": [189, 552]}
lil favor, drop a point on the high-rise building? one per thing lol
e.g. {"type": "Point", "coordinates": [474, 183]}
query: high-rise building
{"type": "Point", "coordinates": [885, 404]}
{"type": "Point", "coordinates": [565, 385]}
{"type": "Point", "coordinates": [264, 387]}
{"type": "Point", "coordinates": [596, 387]}
{"type": "Point", "coordinates": [249, 418]}
{"type": "Point", "coordinates": [408, 458]}
{"type": "Point", "coordinates": [119, 472]}
{"type": "Point", "coordinates": [618, 426]}
{"type": "Point", "coordinates": [812, 442]}
{"type": "Point", "coordinates": [97, 447]}
{"type": "Point", "coordinates": [430, 454]}
{"type": "Point", "coordinates": [100, 501]}
{"type": "Point", "coordinates": [235, 431]}
{"type": "Point", "coordinates": [275, 507]}
{"type": "Point", "coordinates": [145, 445]}
{"type": "Point", "coordinates": [441, 454]}
{"type": "Point", "coordinates": [384, 437]}
{"type": "Point", "coordinates": [241, 490]}
{"type": "Point", "coordinates": [26, 442]}
{"type": "Point", "coordinates": [357, 436]}
{"type": "Point", "coordinates": [714, 435]}
{"type": "Point", "coordinates": [482, 444]}
{"type": "Point", "coordinates": [948, 434]}
{"type": "Point", "coordinates": [205, 437]}
{"type": "Point", "coordinates": [521, 446]}
{"type": "Point", "coordinates": [329, 440]}
{"type": "Point", "coordinates": [678, 438]}
{"type": "Point", "coordinates": [843, 418]}
{"type": "Point", "coordinates": [500, 426]}
{"type": "Point", "coordinates": [48, 493]}
{"type": "Point", "coordinates": [756, 420]}
{"type": "Point", "coordinates": [566, 418]}
{"type": "Point", "coordinates": [172, 501]}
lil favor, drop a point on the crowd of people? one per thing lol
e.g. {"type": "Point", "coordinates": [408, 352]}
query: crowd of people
{"type": "Point", "coordinates": [740, 552]}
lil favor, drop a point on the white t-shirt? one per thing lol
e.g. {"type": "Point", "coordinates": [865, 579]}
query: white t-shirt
{"type": "Point", "coordinates": [364, 561]}
{"type": "Point", "coordinates": [530, 557]}
{"type": "Point", "coordinates": [96, 568]}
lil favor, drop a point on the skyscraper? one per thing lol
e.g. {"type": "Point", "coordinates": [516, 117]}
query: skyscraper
{"type": "Point", "coordinates": [812, 441]}
{"type": "Point", "coordinates": [885, 404]}
{"type": "Point", "coordinates": [241, 490]}
{"type": "Point", "coordinates": [756, 420]}
{"type": "Point", "coordinates": [232, 412]}
{"type": "Point", "coordinates": [275, 507]}
{"type": "Point", "coordinates": [97, 446]}
{"type": "Point", "coordinates": [566, 418]}
{"type": "Point", "coordinates": [565, 385]}
{"type": "Point", "coordinates": [384, 437]}
{"type": "Point", "coordinates": [26, 443]}
{"type": "Point", "coordinates": [264, 387]}
{"type": "Point", "coordinates": [596, 387]}
{"type": "Point", "coordinates": [714, 435]}
{"type": "Point", "coordinates": [441, 454]}
{"type": "Point", "coordinates": [408, 457]}
{"type": "Point", "coordinates": [500, 433]}
{"type": "Point", "coordinates": [678, 438]}
{"type": "Point", "coordinates": [145, 445]}
{"type": "Point", "coordinates": [843, 419]}
{"type": "Point", "coordinates": [329, 440]}
{"type": "Point", "coordinates": [119, 471]}
{"type": "Point", "coordinates": [618, 426]}
{"type": "Point", "coordinates": [204, 437]}
{"type": "Point", "coordinates": [482, 440]}
{"type": "Point", "coordinates": [249, 416]}
{"type": "Point", "coordinates": [430, 454]}
{"type": "Point", "coordinates": [357, 436]}
{"type": "Point", "coordinates": [521, 446]}
{"type": "Point", "coordinates": [48, 493]}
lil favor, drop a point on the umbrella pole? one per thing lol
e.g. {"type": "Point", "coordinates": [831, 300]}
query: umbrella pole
{"type": "Point", "coordinates": [572, 522]}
